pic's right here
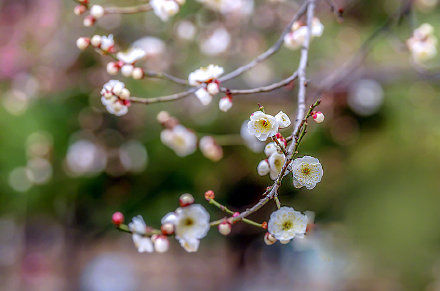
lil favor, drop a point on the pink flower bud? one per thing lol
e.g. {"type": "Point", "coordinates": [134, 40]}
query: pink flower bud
{"type": "Point", "coordinates": [167, 228]}
{"type": "Point", "coordinates": [225, 228]}
{"type": "Point", "coordinates": [89, 20]}
{"type": "Point", "coordinates": [209, 195]}
{"type": "Point", "coordinates": [112, 68]}
{"type": "Point", "coordinates": [117, 218]}
{"type": "Point", "coordinates": [95, 40]}
{"type": "Point", "coordinates": [161, 244]}
{"type": "Point", "coordinates": [82, 43]}
{"type": "Point", "coordinates": [137, 73]}
{"type": "Point", "coordinates": [186, 200]}
{"type": "Point", "coordinates": [225, 103]}
{"type": "Point", "coordinates": [79, 9]}
{"type": "Point", "coordinates": [318, 117]}
{"type": "Point", "coordinates": [269, 239]}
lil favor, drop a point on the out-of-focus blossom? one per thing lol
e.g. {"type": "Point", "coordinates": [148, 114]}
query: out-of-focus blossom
{"type": "Point", "coordinates": [39, 170]}
{"type": "Point", "coordinates": [180, 139]}
{"type": "Point", "coordinates": [262, 125]}
{"type": "Point", "coordinates": [225, 103]}
{"type": "Point", "coordinates": [85, 158]}
{"type": "Point", "coordinates": [250, 140]}
{"type": "Point", "coordinates": [97, 11]}
{"type": "Point", "coordinates": [115, 97]}
{"type": "Point", "coordinates": [307, 171]}
{"type": "Point", "coordinates": [203, 95]}
{"type": "Point", "coordinates": [186, 30]}
{"type": "Point", "coordinates": [132, 55]}
{"type": "Point", "coordinates": [18, 179]}
{"type": "Point", "coordinates": [296, 37]}
{"type": "Point", "coordinates": [152, 46]}
{"type": "Point", "coordinates": [191, 224]}
{"type": "Point", "coordinates": [164, 9]}
{"type": "Point", "coordinates": [216, 43]}
{"type": "Point", "coordinates": [286, 223]}
{"type": "Point", "coordinates": [239, 7]}
{"type": "Point", "coordinates": [365, 97]}
{"type": "Point", "coordinates": [210, 148]}
{"type": "Point", "coordinates": [423, 43]}
{"type": "Point", "coordinates": [205, 75]}
{"type": "Point", "coordinates": [107, 42]}
{"type": "Point", "coordinates": [139, 228]}
{"type": "Point", "coordinates": [133, 156]}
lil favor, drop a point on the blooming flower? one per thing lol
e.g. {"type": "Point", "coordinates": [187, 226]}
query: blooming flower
{"type": "Point", "coordinates": [139, 228]}
{"type": "Point", "coordinates": [287, 223]}
{"type": "Point", "coordinates": [307, 171]}
{"type": "Point", "coordinates": [204, 97]}
{"type": "Point", "coordinates": [131, 55]}
{"type": "Point", "coordinates": [115, 97]}
{"type": "Point", "coordinates": [107, 42]}
{"type": "Point", "coordinates": [180, 139]}
{"type": "Point", "coordinates": [262, 125]}
{"type": "Point", "coordinates": [276, 162]}
{"type": "Point", "coordinates": [205, 75]}
{"type": "Point", "coordinates": [191, 224]}
{"type": "Point", "coordinates": [422, 44]}
{"type": "Point", "coordinates": [164, 9]}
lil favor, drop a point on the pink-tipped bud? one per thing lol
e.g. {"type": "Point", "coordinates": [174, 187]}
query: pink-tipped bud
{"type": "Point", "coordinates": [89, 20]}
{"type": "Point", "coordinates": [213, 88]}
{"type": "Point", "coordinates": [225, 103]}
{"type": "Point", "coordinates": [224, 228]}
{"type": "Point", "coordinates": [112, 68]}
{"type": "Point", "coordinates": [269, 239]}
{"type": "Point", "coordinates": [264, 225]}
{"type": "Point", "coordinates": [167, 228]}
{"type": "Point", "coordinates": [96, 40]}
{"type": "Point", "coordinates": [161, 244]}
{"type": "Point", "coordinates": [97, 11]}
{"type": "Point", "coordinates": [209, 195]}
{"type": "Point", "coordinates": [163, 117]}
{"type": "Point", "coordinates": [137, 73]}
{"type": "Point", "coordinates": [318, 116]}
{"type": "Point", "coordinates": [117, 218]}
{"type": "Point", "coordinates": [127, 70]}
{"type": "Point", "coordinates": [186, 200]}
{"type": "Point", "coordinates": [79, 9]}
{"type": "Point", "coordinates": [82, 43]}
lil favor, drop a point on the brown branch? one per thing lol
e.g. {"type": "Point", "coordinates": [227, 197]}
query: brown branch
{"type": "Point", "coordinates": [128, 10]}
{"type": "Point", "coordinates": [167, 98]}
{"type": "Point", "coordinates": [262, 89]}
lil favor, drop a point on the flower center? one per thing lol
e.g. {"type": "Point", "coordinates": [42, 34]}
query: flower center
{"type": "Point", "coordinates": [264, 123]}
{"type": "Point", "coordinates": [305, 171]}
{"type": "Point", "coordinates": [287, 225]}
{"type": "Point", "coordinates": [188, 221]}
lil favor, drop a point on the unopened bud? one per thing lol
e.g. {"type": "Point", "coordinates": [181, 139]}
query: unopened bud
{"type": "Point", "coordinates": [79, 9]}
{"type": "Point", "coordinates": [263, 168]}
{"type": "Point", "coordinates": [82, 43]}
{"type": "Point", "coordinates": [125, 94]}
{"type": "Point", "coordinates": [127, 70]}
{"type": "Point", "coordinates": [167, 228]}
{"type": "Point", "coordinates": [186, 200]}
{"type": "Point", "coordinates": [137, 73]}
{"type": "Point", "coordinates": [112, 68]}
{"type": "Point", "coordinates": [209, 195]}
{"type": "Point", "coordinates": [163, 117]}
{"type": "Point", "coordinates": [89, 20]}
{"type": "Point", "coordinates": [96, 40]}
{"type": "Point", "coordinates": [264, 225]}
{"type": "Point", "coordinates": [97, 11]}
{"type": "Point", "coordinates": [161, 244]}
{"type": "Point", "coordinates": [213, 88]}
{"type": "Point", "coordinates": [117, 218]}
{"type": "Point", "coordinates": [225, 228]}
{"type": "Point", "coordinates": [318, 117]}
{"type": "Point", "coordinates": [225, 103]}
{"type": "Point", "coordinates": [269, 239]}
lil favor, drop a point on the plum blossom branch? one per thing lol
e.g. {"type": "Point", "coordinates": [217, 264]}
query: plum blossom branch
{"type": "Point", "coordinates": [128, 10]}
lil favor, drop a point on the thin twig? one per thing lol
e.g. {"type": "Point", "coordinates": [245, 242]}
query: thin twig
{"type": "Point", "coordinates": [128, 10]}
{"type": "Point", "coordinates": [166, 98]}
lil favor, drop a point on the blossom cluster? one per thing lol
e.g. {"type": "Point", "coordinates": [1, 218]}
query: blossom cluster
{"type": "Point", "coordinates": [263, 125]}
{"type": "Point", "coordinates": [207, 79]}
{"type": "Point", "coordinates": [115, 97]}
{"type": "Point", "coordinates": [423, 43]}
{"type": "Point", "coordinates": [297, 35]}
{"type": "Point", "coordinates": [275, 158]}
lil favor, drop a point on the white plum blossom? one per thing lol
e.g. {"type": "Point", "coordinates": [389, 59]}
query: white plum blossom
{"type": "Point", "coordinates": [131, 56]}
{"type": "Point", "coordinates": [180, 139]}
{"type": "Point", "coordinates": [225, 103]}
{"type": "Point", "coordinates": [216, 43]}
{"type": "Point", "coordinates": [97, 11]}
{"type": "Point", "coordinates": [240, 7]}
{"type": "Point", "coordinates": [115, 97]}
{"type": "Point", "coordinates": [205, 75]}
{"type": "Point", "coordinates": [165, 9]}
{"type": "Point", "coordinates": [286, 223]}
{"type": "Point", "coordinates": [296, 37]}
{"type": "Point", "coordinates": [276, 162]}
{"type": "Point", "coordinates": [107, 42]}
{"type": "Point", "coordinates": [139, 228]}
{"type": "Point", "coordinates": [423, 43]}
{"type": "Point", "coordinates": [203, 95]}
{"type": "Point", "coordinates": [283, 119]}
{"type": "Point", "coordinates": [307, 171]}
{"type": "Point", "coordinates": [271, 148]}
{"type": "Point", "coordinates": [191, 224]}
{"type": "Point", "coordinates": [262, 125]}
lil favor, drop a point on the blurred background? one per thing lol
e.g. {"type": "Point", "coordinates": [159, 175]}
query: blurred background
{"type": "Point", "coordinates": [66, 165]}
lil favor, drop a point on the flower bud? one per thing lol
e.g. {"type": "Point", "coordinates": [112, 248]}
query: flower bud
{"type": "Point", "coordinates": [127, 70]}
{"type": "Point", "coordinates": [97, 11]}
{"type": "Point", "coordinates": [125, 94]}
{"type": "Point", "coordinates": [264, 225]}
{"type": "Point", "coordinates": [117, 89]}
{"type": "Point", "coordinates": [79, 9]}
{"type": "Point", "coordinates": [112, 68]}
{"type": "Point", "coordinates": [263, 168]}
{"type": "Point", "coordinates": [137, 73]}
{"type": "Point", "coordinates": [225, 228]}
{"type": "Point", "coordinates": [89, 20]}
{"type": "Point", "coordinates": [154, 237]}
{"type": "Point", "coordinates": [209, 195]}
{"type": "Point", "coordinates": [82, 43]}
{"type": "Point", "coordinates": [167, 228]}
{"type": "Point", "coordinates": [270, 149]}
{"type": "Point", "coordinates": [213, 88]}
{"type": "Point", "coordinates": [117, 218]}
{"type": "Point", "coordinates": [163, 117]}
{"type": "Point", "coordinates": [269, 239]}
{"type": "Point", "coordinates": [161, 244]}
{"type": "Point", "coordinates": [318, 117]}
{"type": "Point", "coordinates": [186, 200]}
{"type": "Point", "coordinates": [225, 103]}
{"type": "Point", "coordinates": [96, 40]}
